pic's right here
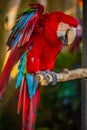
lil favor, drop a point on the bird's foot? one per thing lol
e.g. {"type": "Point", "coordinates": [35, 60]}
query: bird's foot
{"type": "Point", "coordinates": [46, 77]}
{"type": "Point", "coordinates": [50, 77]}
{"type": "Point", "coordinates": [53, 77]}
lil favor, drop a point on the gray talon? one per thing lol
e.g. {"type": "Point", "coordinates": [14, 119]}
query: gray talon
{"type": "Point", "coordinates": [44, 73]}
{"type": "Point", "coordinates": [54, 76]}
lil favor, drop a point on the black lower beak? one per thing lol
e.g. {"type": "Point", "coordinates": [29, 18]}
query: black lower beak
{"type": "Point", "coordinates": [64, 39]}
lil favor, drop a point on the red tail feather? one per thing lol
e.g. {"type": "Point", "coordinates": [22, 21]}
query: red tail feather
{"type": "Point", "coordinates": [34, 104]}
{"type": "Point", "coordinates": [29, 106]}
{"type": "Point", "coordinates": [20, 101]}
{"type": "Point", "coordinates": [25, 105]}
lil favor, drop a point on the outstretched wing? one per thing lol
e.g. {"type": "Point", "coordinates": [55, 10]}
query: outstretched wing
{"type": "Point", "coordinates": [19, 40]}
{"type": "Point", "coordinates": [24, 26]}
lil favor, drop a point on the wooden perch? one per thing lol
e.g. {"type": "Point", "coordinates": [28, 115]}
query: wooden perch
{"type": "Point", "coordinates": [65, 75]}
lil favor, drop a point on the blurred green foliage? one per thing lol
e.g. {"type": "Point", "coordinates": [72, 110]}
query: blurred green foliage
{"type": "Point", "coordinates": [0, 11]}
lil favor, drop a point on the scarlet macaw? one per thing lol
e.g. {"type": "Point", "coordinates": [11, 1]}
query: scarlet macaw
{"type": "Point", "coordinates": [36, 40]}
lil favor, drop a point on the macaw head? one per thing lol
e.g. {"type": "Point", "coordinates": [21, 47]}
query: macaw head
{"type": "Point", "coordinates": [66, 33]}
{"type": "Point", "coordinates": [60, 28]}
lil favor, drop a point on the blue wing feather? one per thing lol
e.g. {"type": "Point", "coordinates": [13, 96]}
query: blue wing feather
{"type": "Point", "coordinates": [35, 84]}
{"type": "Point", "coordinates": [26, 20]}
{"type": "Point", "coordinates": [23, 28]}
{"type": "Point", "coordinates": [32, 80]}
{"type": "Point", "coordinates": [21, 69]}
{"type": "Point", "coordinates": [22, 21]}
{"type": "Point", "coordinates": [16, 40]}
{"type": "Point", "coordinates": [17, 29]}
{"type": "Point", "coordinates": [18, 24]}
{"type": "Point", "coordinates": [29, 79]}
{"type": "Point", "coordinates": [32, 83]}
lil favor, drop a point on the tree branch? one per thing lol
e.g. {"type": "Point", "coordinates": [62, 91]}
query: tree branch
{"type": "Point", "coordinates": [64, 76]}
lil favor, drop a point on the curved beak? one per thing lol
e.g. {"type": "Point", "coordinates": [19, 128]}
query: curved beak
{"type": "Point", "coordinates": [71, 34]}
{"type": "Point", "coordinates": [66, 33]}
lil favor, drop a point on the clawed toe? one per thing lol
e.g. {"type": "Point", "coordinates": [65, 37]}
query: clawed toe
{"type": "Point", "coordinates": [50, 76]}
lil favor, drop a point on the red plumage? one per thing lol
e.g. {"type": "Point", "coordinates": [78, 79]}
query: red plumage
{"type": "Point", "coordinates": [20, 101]}
{"type": "Point", "coordinates": [39, 38]}
{"type": "Point", "coordinates": [25, 105]}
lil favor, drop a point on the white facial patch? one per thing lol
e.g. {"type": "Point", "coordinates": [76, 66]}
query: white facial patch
{"type": "Point", "coordinates": [60, 33]}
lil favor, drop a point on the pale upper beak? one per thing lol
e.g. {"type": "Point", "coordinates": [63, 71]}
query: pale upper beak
{"type": "Point", "coordinates": [66, 33]}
